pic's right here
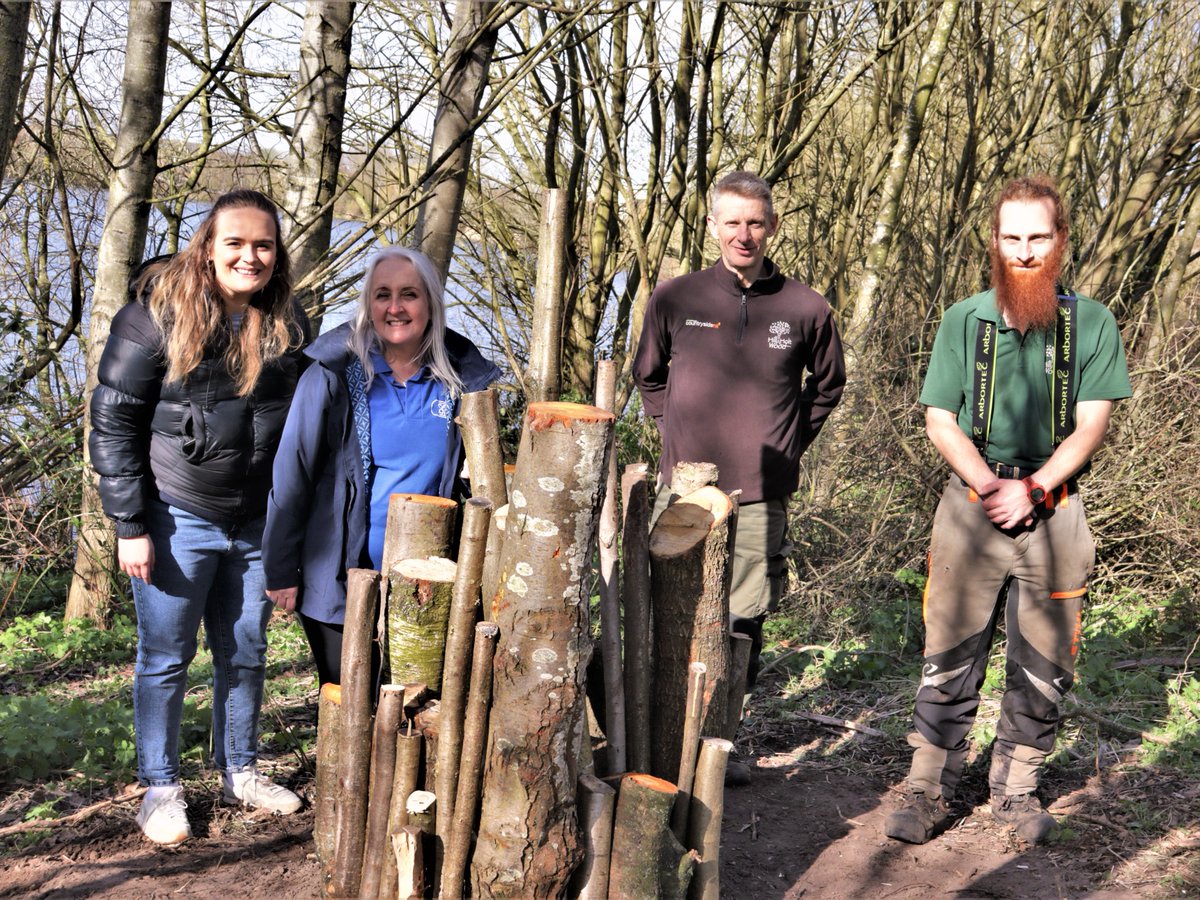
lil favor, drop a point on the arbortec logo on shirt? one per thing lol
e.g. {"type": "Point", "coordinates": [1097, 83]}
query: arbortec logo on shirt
{"type": "Point", "coordinates": [780, 336]}
{"type": "Point", "coordinates": [696, 323]}
{"type": "Point", "coordinates": [442, 408]}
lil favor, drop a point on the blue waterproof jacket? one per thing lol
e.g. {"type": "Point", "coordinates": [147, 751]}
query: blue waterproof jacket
{"type": "Point", "coordinates": [317, 513]}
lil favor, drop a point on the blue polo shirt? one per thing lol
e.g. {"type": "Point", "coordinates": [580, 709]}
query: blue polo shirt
{"type": "Point", "coordinates": [410, 424]}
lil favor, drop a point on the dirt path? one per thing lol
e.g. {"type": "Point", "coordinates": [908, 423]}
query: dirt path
{"type": "Point", "coordinates": [799, 830]}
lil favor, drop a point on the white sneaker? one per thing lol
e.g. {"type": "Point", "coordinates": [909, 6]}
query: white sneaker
{"type": "Point", "coordinates": [162, 816]}
{"type": "Point", "coordinates": [251, 788]}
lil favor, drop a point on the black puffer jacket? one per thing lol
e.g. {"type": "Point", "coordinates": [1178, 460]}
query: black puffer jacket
{"type": "Point", "coordinates": [195, 445]}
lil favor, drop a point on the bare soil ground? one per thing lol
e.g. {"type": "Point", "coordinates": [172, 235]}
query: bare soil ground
{"type": "Point", "coordinates": [809, 825]}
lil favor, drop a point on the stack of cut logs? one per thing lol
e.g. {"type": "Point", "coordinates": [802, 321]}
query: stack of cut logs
{"type": "Point", "coordinates": [478, 761]}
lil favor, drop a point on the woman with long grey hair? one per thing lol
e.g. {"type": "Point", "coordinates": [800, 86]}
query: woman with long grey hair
{"type": "Point", "coordinates": [372, 417]}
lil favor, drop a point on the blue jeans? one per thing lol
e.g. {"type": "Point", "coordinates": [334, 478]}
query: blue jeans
{"type": "Point", "coordinates": [210, 572]}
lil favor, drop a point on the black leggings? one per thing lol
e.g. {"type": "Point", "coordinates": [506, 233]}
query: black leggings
{"type": "Point", "coordinates": [325, 639]}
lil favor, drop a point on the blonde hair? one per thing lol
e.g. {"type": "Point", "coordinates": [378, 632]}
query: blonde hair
{"type": "Point", "coordinates": [187, 307]}
{"type": "Point", "coordinates": [432, 353]}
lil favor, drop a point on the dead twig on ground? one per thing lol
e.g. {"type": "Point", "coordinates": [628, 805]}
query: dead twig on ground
{"type": "Point", "coordinates": [74, 818]}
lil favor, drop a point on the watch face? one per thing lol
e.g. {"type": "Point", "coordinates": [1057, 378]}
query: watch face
{"type": "Point", "coordinates": [1037, 495]}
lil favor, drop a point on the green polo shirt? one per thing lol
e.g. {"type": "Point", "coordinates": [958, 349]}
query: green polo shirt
{"type": "Point", "coordinates": [1021, 413]}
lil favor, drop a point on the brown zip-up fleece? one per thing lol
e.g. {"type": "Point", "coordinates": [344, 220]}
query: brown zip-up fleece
{"type": "Point", "coordinates": [721, 369]}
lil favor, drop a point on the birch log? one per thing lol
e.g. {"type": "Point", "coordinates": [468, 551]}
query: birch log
{"type": "Point", "coordinates": [528, 842]}
{"type": "Point", "coordinates": [418, 613]}
{"type": "Point", "coordinates": [635, 574]}
{"type": "Point", "coordinates": [418, 526]}
{"type": "Point", "coordinates": [689, 586]}
{"type": "Point", "coordinates": [354, 759]}
{"type": "Point", "coordinates": [610, 599]}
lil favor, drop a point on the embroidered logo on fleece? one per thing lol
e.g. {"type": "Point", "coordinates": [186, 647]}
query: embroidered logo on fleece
{"type": "Point", "coordinates": [780, 336]}
{"type": "Point", "coordinates": [696, 323]}
{"type": "Point", "coordinates": [442, 408]}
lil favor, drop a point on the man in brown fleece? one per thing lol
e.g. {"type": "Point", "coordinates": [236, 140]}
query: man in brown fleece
{"type": "Point", "coordinates": [739, 366]}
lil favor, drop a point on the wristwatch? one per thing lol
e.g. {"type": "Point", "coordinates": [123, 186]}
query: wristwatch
{"type": "Point", "coordinates": [1037, 493]}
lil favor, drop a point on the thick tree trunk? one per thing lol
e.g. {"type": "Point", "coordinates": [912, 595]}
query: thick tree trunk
{"type": "Point", "coordinates": [383, 773]}
{"type": "Point", "coordinates": [543, 377]}
{"type": "Point", "coordinates": [419, 601]}
{"type": "Point", "coordinates": [477, 515]}
{"type": "Point", "coordinates": [329, 742]}
{"type": "Point", "coordinates": [457, 848]}
{"type": "Point", "coordinates": [316, 150]}
{"type": "Point", "coordinates": [463, 82]}
{"type": "Point", "coordinates": [14, 29]}
{"type": "Point", "coordinates": [529, 841]}
{"type": "Point", "coordinates": [354, 760]}
{"type": "Point", "coordinates": [704, 818]}
{"type": "Point", "coordinates": [597, 804]}
{"type": "Point", "coordinates": [647, 859]}
{"type": "Point", "coordinates": [635, 574]}
{"type": "Point", "coordinates": [122, 243]}
{"type": "Point", "coordinates": [689, 574]}
{"type": "Point", "coordinates": [610, 596]}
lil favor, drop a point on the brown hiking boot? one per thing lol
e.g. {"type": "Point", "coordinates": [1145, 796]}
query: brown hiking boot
{"type": "Point", "coordinates": [1024, 813]}
{"type": "Point", "coordinates": [919, 819]}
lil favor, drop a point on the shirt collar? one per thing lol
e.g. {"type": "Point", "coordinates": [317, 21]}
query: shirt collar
{"type": "Point", "coordinates": [381, 367]}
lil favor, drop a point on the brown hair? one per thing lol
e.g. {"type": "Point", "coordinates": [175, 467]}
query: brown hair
{"type": "Point", "coordinates": [1029, 188]}
{"type": "Point", "coordinates": [187, 307]}
{"type": "Point", "coordinates": [746, 185]}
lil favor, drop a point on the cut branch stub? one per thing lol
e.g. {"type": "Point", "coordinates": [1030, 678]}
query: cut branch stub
{"type": "Point", "coordinates": [689, 586]}
{"type": "Point", "coordinates": [528, 842]}
{"type": "Point", "coordinates": [418, 613]}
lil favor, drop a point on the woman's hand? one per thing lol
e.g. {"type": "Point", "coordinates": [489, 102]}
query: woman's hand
{"type": "Point", "coordinates": [136, 556]}
{"type": "Point", "coordinates": [284, 598]}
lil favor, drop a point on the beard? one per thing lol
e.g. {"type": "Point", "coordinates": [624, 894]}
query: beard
{"type": "Point", "coordinates": [1027, 295]}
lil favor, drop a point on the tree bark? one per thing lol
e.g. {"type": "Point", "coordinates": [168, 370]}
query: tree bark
{"type": "Point", "coordinates": [635, 573]}
{"type": "Point", "coordinates": [463, 82]}
{"type": "Point", "coordinates": [477, 515]}
{"type": "Point", "coordinates": [383, 772]}
{"type": "Point", "coordinates": [529, 842]}
{"type": "Point", "coordinates": [693, 713]}
{"type": "Point", "coordinates": [610, 598]}
{"type": "Point", "coordinates": [404, 782]}
{"type": "Point", "coordinates": [122, 243]}
{"type": "Point", "coordinates": [362, 593]}
{"type": "Point", "coordinates": [470, 770]}
{"type": "Point", "coordinates": [543, 377]}
{"type": "Point", "coordinates": [479, 420]}
{"type": "Point", "coordinates": [597, 803]}
{"type": "Point", "coordinates": [329, 741]}
{"type": "Point", "coordinates": [14, 30]}
{"type": "Point", "coordinates": [646, 857]}
{"type": "Point", "coordinates": [315, 155]}
{"type": "Point", "coordinates": [704, 818]}
{"type": "Point", "coordinates": [689, 575]}
{"type": "Point", "coordinates": [418, 613]}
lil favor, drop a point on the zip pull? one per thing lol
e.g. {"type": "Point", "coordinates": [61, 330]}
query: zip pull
{"type": "Point", "coordinates": [743, 318]}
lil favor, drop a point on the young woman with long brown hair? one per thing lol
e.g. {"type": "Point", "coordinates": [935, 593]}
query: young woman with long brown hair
{"type": "Point", "coordinates": [195, 384]}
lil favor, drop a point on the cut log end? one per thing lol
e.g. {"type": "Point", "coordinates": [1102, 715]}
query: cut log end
{"type": "Point", "coordinates": [434, 569]}
{"type": "Point", "coordinates": [687, 522]}
{"type": "Point", "coordinates": [651, 783]}
{"type": "Point", "coordinates": [332, 693]}
{"type": "Point", "coordinates": [541, 416]}
{"type": "Point", "coordinates": [422, 498]}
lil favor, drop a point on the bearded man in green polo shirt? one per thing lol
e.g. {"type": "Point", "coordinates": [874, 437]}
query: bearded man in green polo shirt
{"type": "Point", "coordinates": [1018, 396]}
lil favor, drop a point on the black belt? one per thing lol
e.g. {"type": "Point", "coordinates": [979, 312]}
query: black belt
{"type": "Point", "coordinates": [1004, 470]}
